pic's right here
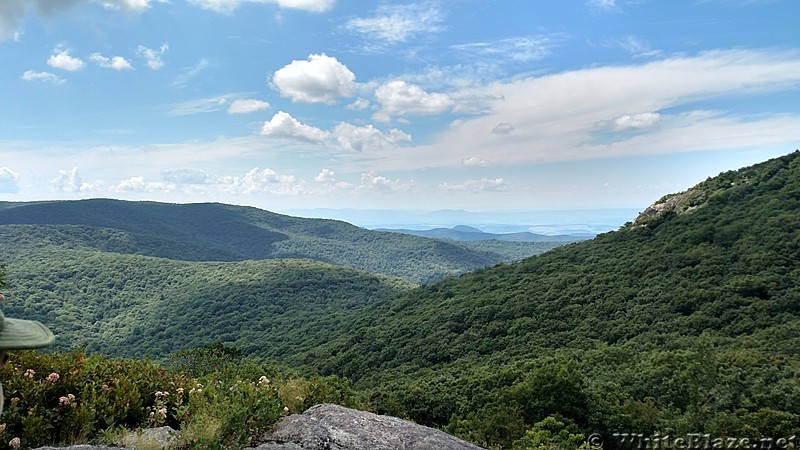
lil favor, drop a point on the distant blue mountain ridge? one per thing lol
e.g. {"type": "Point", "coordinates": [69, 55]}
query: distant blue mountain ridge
{"type": "Point", "coordinates": [467, 233]}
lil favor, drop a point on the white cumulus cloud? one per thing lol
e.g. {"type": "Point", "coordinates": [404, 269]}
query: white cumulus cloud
{"type": "Point", "coordinates": [359, 104]}
{"type": "Point", "coordinates": [61, 59]}
{"type": "Point", "coordinates": [326, 176]}
{"type": "Point", "coordinates": [267, 181]}
{"type": "Point", "coordinates": [398, 98]}
{"type": "Point", "coordinates": [352, 137]}
{"type": "Point", "coordinates": [115, 62]}
{"type": "Point", "coordinates": [67, 181]}
{"type": "Point", "coordinates": [247, 105]}
{"type": "Point", "coordinates": [32, 75]}
{"type": "Point", "coordinates": [140, 184]}
{"type": "Point", "coordinates": [371, 181]}
{"type": "Point", "coordinates": [320, 79]}
{"type": "Point", "coordinates": [283, 125]}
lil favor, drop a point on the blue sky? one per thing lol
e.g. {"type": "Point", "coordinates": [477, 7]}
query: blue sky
{"type": "Point", "coordinates": [470, 104]}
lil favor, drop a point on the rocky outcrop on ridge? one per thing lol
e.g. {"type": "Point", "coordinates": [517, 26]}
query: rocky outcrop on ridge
{"type": "Point", "coordinates": [323, 427]}
{"type": "Point", "coordinates": [677, 203]}
{"type": "Point", "coordinates": [334, 427]}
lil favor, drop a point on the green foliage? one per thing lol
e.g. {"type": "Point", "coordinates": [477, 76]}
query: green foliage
{"type": "Point", "coordinates": [687, 324]}
{"type": "Point", "coordinates": [54, 398]}
{"type": "Point", "coordinates": [549, 434]}
{"type": "Point", "coordinates": [132, 306]}
{"type": "Point", "coordinates": [217, 232]}
{"type": "Point", "coordinates": [210, 358]}
{"type": "Point", "coordinates": [66, 398]}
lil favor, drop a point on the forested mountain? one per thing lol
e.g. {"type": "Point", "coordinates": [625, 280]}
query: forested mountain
{"type": "Point", "coordinates": [218, 232]}
{"type": "Point", "coordinates": [136, 306]}
{"type": "Point", "coordinates": [686, 321]}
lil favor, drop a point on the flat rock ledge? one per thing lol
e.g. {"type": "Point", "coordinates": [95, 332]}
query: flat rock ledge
{"type": "Point", "coordinates": [324, 427]}
{"type": "Point", "coordinates": [334, 427]}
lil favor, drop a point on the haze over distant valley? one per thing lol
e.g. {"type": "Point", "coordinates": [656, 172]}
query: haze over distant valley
{"type": "Point", "coordinates": [548, 222]}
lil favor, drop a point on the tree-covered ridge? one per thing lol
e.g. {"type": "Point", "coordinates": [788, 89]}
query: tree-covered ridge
{"type": "Point", "coordinates": [688, 323]}
{"type": "Point", "coordinates": [218, 232]}
{"type": "Point", "coordinates": [130, 305]}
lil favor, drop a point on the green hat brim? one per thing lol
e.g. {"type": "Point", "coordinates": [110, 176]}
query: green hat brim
{"type": "Point", "coordinates": [19, 334]}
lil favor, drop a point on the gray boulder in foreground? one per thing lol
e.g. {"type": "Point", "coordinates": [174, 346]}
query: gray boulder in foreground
{"type": "Point", "coordinates": [334, 427]}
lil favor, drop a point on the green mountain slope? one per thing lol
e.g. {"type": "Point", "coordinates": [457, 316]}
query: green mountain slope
{"type": "Point", "coordinates": [133, 306]}
{"type": "Point", "coordinates": [217, 232]}
{"type": "Point", "coordinates": [686, 321]}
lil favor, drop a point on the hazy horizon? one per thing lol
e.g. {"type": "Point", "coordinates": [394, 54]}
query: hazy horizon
{"type": "Point", "coordinates": [423, 104]}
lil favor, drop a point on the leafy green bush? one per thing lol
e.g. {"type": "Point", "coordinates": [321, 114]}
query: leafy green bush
{"type": "Point", "coordinates": [72, 397]}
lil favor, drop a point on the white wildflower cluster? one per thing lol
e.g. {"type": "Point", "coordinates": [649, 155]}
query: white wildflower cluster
{"type": "Point", "coordinates": [68, 400]}
{"type": "Point", "coordinates": [161, 395]}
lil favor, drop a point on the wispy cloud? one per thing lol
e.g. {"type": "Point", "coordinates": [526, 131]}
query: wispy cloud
{"type": "Point", "coordinates": [151, 56]}
{"type": "Point", "coordinates": [32, 75]}
{"type": "Point", "coordinates": [482, 185]}
{"type": "Point", "coordinates": [519, 49]}
{"type": "Point", "coordinates": [556, 117]}
{"type": "Point", "coordinates": [9, 181]}
{"type": "Point", "coordinates": [638, 121]}
{"type": "Point", "coordinates": [608, 5]}
{"type": "Point", "coordinates": [637, 46]}
{"type": "Point", "coordinates": [201, 105]}
{"type": "Point", "coordinates": [247, 105]}
{"type": "Point", "coordinates": [227, 6]}
{"type": "Point", "coordinates": [395, 23]}
{"type": "Point", "coordinates": [190, 73]}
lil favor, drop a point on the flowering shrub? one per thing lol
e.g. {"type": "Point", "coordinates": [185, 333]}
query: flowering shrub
{"type": "Point", "coordinates": [67, 398]}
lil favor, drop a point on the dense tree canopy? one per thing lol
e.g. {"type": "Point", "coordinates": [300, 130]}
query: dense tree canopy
{"type": "Point", "coordinates": [684, 321]}
{"type": "Point", "coordinates": [218, 232]}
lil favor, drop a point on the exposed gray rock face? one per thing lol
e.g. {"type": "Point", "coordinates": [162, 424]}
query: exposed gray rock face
{"type": "Point", "coordinates": [334, 427]}
{"type": "Point", "coordinates": [677, 203]}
